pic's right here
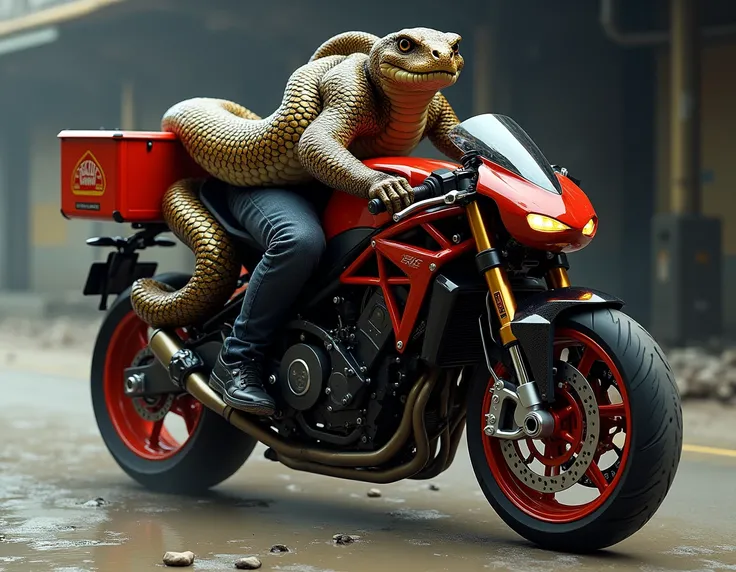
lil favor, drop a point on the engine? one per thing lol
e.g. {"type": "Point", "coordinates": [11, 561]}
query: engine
{"type": "Point", "coordinates": [304, 370]}
{"type": "Point", "coordinates": [338, 383]}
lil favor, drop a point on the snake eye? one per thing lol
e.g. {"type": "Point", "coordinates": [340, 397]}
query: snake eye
{"type": "Point", "coordinates": [405, 45]}
{"type": "Point", "coordinates": [456, 48]}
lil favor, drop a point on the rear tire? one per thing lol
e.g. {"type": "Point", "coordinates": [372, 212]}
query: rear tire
{"type": "Point", "coordinates": [651, 459]}
{"type": "Point", "coordinates": [214, 450]}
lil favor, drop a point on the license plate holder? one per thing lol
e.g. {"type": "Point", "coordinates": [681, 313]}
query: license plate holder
{"type": "Point", "coordinates": [115, 275]}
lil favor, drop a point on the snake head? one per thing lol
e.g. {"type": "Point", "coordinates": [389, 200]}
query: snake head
{"type": "Point", "coordinates": [417, 59]}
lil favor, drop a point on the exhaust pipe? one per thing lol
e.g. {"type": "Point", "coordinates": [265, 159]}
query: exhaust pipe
{"type": "Point", "coordinates": [184, 367]}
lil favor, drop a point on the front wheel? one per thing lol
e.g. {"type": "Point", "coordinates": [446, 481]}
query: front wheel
{"type": "Point", "coordinates": [168, 444]}
{"type": "Point", "coordinates": [615, 449]}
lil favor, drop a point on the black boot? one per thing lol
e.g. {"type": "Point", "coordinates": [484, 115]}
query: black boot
{"type": "Point", "coordinates": [241, 386]}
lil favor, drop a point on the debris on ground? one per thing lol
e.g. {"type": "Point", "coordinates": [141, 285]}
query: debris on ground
{"type": "Point", "coordinates": [248, 563]}
{"type": "Point", "coordinates": [701, 373]}
{"type": "Point", "coordinates": [276, 548]}
{"type": "Point", "coordinates": [343, 539]}
{"type": "Point", "coordinates": [99, 501]}
{"type": "Point", "coordinates": [374, 493]}
{"type": "Point", "coordinates": [179, 558]}
{"type": "Point", "coordinates": [433, 487]}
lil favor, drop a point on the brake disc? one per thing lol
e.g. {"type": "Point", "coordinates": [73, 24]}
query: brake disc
{"type": "Point", "coordinates": [610, 472]}
{"type": "Point", "coordinates": [584, 457]}
{"type": "Point", "coordinates": [150, 408]}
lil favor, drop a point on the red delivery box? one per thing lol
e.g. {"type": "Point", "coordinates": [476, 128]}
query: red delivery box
{"type": "Point", "coordinates": [120, 175]}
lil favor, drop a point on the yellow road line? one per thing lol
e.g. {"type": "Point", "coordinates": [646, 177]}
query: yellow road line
{"type": "Point", "coordinates": [709, 450]}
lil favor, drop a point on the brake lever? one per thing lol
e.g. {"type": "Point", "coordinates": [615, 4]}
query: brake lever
{"type": "Point", "coordinates": [448, 199]}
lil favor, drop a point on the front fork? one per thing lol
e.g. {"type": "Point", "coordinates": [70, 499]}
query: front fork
{"type": "Point", "coordinates": [530, 418]}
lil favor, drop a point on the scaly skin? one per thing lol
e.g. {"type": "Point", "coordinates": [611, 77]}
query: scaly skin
{"type": "Point", "coordinates": [216, 267]}
{"type": "Point", "coordinates": [346, 44]}
{"type": "Point", "coordinates": [359, 96]}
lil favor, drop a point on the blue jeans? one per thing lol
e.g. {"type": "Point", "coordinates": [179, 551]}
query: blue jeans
{"type": "Point", "coordinates": [288, 228]}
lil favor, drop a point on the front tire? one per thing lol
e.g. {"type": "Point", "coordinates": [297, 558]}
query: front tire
{"type": "Point", "coordinates": [618, 357]}
{"type": "Point", "coordinates": [145, 449]}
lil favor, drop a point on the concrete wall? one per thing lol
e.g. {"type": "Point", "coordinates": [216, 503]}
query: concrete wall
{"type": "Point", "coordinates": [717, 156]}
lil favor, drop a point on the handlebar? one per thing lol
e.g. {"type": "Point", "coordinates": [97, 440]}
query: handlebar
{"type": "Point", "coordinates": [421, 192]}
{"type": "Point", "coordinates": [440, 183]}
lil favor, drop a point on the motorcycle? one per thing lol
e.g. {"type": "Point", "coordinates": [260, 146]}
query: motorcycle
{"type": "Point", "coordinates": [455, 313]}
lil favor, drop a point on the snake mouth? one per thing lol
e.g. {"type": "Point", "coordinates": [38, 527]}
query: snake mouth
{"type": "Point", "coordinates": [403, 75]}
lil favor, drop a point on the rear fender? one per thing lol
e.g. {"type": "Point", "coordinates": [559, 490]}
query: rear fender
{"type": "Point", "coordinates": [534, 323]}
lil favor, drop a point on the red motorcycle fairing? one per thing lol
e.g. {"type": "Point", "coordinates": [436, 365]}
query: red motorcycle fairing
{"type": "Point", "coordinates": [515, 196]}
{"type": "Point", "coordinates": [345, 211]}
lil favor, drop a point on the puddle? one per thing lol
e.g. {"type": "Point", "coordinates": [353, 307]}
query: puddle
{"type": "Point", "coordinates": [49, 470]}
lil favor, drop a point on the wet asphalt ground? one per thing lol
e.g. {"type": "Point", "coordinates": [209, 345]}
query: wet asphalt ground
{"type": "Point", "coordinates": [53, 463]}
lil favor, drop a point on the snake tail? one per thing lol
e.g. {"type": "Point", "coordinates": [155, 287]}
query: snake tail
{"type": "Point", "coordinates": [216, 268]}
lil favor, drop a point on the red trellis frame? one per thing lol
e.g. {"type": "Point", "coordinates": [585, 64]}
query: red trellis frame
{"type": "Point", "coordinates": [419, 266]}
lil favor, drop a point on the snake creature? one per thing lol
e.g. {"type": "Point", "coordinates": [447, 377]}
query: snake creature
{"type": "Point", "coordinates": [358, 96]}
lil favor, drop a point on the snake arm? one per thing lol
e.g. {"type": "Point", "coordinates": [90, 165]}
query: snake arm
{"type": "Point", "coordinates": [324, 153]}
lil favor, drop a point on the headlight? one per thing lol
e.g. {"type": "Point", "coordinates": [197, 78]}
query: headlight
{"type": "Point", "coordinates": [589, 228]}
{"type": "Point", "coordinates": [545, 224]}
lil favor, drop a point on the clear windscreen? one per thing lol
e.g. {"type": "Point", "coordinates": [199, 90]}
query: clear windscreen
{"type": "Point", "coordinates": [502, 141]}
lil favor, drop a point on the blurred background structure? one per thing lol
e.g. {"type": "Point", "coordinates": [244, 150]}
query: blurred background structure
{"type": "Point", "coordinates": [635, 97]}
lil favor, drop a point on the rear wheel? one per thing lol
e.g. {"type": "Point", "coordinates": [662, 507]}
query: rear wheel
{"type": "Point", "coordinates": [168, 444]}
{"type": "Point", "coordinates": [615, 450]}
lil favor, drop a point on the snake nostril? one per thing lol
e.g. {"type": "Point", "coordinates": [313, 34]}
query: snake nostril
{"type": "Point", "coordinates": [436, 54]}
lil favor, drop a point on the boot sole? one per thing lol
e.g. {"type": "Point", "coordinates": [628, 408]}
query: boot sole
{"type": "Point", "coordinates": [246, 407]}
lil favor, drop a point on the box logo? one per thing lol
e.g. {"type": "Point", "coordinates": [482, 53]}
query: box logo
{"type": "Point", "coordinates": [88, 178]}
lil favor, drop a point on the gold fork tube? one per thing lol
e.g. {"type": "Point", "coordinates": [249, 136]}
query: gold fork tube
{"type": "Point", "coordinates": [557, 278]}
{"type": "Point", "coordinates": [496, 278]}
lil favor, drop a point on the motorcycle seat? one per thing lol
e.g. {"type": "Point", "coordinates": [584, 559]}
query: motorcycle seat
{"type": "Point", "coordinates": [212, 193]}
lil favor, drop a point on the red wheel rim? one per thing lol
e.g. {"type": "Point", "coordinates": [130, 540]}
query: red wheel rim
{"type": "Point", "coordinates": [149, 440]}
{"type": "Point", "coordinates": [614, 417]}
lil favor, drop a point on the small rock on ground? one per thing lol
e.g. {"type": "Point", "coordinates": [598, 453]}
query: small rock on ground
{"type": "Point", "coordinates": [248, 563]}
{"type": "Point", "coordinates": [433, 487]}
{"type": "Point", "coordinates": [2, 538]}
{"type": "Point", "coordinates": [179, 558]}
{"type": "Point", "coordinates": [99, 501]}
{"type": "Point", "coordinates": [343, 539]}
{"type": "Point", "coordinates": [374, 493]}
{"type": "Point", "coordinates": [280, 548]}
